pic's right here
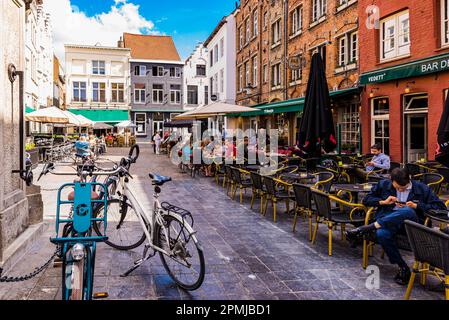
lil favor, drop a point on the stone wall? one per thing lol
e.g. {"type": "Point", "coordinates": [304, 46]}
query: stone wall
{"type": "Point", "coordinates": [14, 217]}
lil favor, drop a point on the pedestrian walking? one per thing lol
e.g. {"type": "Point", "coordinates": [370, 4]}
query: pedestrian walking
{"type": "Point", "coordinates": [157, 142]}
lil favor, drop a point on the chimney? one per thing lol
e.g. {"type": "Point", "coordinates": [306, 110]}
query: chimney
{"type": "Point", "coordinates": [120, 43]}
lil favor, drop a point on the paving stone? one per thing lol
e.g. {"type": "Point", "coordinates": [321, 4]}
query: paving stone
{"type": "Point", "coordinates": [247, 255]}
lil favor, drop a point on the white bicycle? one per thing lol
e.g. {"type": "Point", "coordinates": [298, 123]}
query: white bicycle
{"type": "Point", "coordinates": [167, 229]}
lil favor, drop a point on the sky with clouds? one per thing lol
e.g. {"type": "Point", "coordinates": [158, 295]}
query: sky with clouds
{"type": "Point", "coordinates": [92, 21]}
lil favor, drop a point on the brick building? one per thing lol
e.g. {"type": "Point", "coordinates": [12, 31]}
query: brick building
{"type": "Point", "coordinates": [405, 69]}
{"type": "Point", "coordinates": [289, 33]}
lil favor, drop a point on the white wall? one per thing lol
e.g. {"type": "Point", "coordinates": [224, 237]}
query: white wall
{"type": "Point", "coordinates": [81, 71]}
{"type": "Point", "coordinates": [198, 57]}
{"type": "Point", "coordinates": [227, 63]}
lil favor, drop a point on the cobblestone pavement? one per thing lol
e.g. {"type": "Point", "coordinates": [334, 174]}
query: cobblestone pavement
{"type": "Point", "coordinates": [247, 255]}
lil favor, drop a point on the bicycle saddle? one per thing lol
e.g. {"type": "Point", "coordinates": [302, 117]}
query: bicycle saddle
{"type": "Point", "coordinates": [159, 180]}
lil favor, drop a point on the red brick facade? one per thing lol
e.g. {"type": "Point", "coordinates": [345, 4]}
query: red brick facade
{"type": "Point", "coordinates": [425, 41]}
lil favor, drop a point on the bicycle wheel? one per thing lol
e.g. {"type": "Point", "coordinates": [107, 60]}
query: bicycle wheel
{"type": "Point", "coordinates": [123, 234]}
{"type": "Point", "coordinates": [73, 273]}
{"type": "Point", "coordinates": [186, 267]}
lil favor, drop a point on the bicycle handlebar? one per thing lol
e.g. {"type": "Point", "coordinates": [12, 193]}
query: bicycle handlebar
{"type": "Point", "coordinates": [135, 148]}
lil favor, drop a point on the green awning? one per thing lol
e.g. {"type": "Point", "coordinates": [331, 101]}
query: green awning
{"type": "Point", "coordinates": [29, 110]}
{"type": "Point", "coordinates": [417, 68]}
{"type": "Point", "coordinates": [289, 106]}
{"type": "Point", "coordinates": [106, 115]}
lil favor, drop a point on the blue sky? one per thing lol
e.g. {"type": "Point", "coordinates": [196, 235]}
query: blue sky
{"type": "Point", "coordinates": [188, 21]}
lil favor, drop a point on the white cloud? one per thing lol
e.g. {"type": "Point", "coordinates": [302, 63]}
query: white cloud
{"type": "Point", "coordinates": [72, 26]}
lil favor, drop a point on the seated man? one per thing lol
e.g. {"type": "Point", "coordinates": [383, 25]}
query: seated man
{"type": "Point", "coordinates": [379, 161]}
{"type": "Point", "coordinates": [396, 201]}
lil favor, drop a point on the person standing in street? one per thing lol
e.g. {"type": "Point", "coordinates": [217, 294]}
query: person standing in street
{"type": "Point", "coordinates": [154, 142]}
{"type": "Point", "coordinates": [157, 142]}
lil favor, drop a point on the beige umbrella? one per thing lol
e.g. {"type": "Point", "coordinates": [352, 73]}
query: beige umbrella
{"type": "Point", "coordinates": [84, 121]}
{"type": "Point", "coordinates": [214, 109]}
{"type": "Point", "coordinates": [48, 115]}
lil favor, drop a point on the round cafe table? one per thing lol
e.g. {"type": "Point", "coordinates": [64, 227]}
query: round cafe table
{"type": "Point", "coordinates": [355, 189]}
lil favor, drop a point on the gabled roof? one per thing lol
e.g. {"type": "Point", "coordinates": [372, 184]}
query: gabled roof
{"type": "Point", "coordinates": [149, 47]}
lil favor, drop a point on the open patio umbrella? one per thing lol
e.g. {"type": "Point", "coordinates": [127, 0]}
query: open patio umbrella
{"type": "Point", "coordinates": [84, 121]}
{"type": "Point", "coordinates": [48, 115]}
{"type": "Point", "coordinates": [126, 124]}
{"type": "Point", "coordinates": [102, 126]}
{"type": "Point", "coordinates": [214, 109]}
{"type": "Point", "coordinates": [442, 152]}
{"type": "Point", "coordinates": [317, 125]}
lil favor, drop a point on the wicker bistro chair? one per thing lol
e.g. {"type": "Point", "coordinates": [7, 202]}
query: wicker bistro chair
{"type": "Point", "coordinates": [432, 180]}
{"type": "Point", "coordinates": [325, 181]}
{"type": "Point", "coordinates": [228, 180]}
{"type": "Point", "coordinates": [220, 173]}
{"type": "Point", "coordinates": [303, 198]}
{"type": "Point", "coordinates": [370, 240]}
{"type": "Point", "coordinates": [349, 213]}
{"type": "Point", "coordinates": [431, 250]}
{"type": "Point", "coordinates": [394, 165]}
{"type": "Point", "coordinates": [259, 190]}
{"type": "Point", "coordinates": [445, 173]}
{"type": "Point", "coordinates": [240, 181]}
{"type": "Point", "coordinates": [274, 194]}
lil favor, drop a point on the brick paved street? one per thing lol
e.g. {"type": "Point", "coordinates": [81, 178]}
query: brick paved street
{"type": "Point", "coordinates": [247, 255]}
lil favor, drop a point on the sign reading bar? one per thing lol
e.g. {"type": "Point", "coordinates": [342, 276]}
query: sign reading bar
{"type": "Point", "coordinates": [413, 69]}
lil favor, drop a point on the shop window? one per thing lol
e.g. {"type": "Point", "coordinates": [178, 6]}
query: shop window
{"type": "Point", "coordinates": [418, 102]}
{"type": "Point", "coordinates": [141, 122]}
{"type": "Point", "coordinates": [349, 122]}
{"type": "Point", "coordinates": [380, 125]}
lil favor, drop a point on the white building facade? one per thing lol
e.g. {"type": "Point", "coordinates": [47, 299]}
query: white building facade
{"type": "Point", "coordinates": [221, 61]}
{"type": "Point", "coordinates": [196, 83]}
{"type": "Point", "coordinates": [38, 57]}
{"type": "Point", "coordinates": [98, 82]}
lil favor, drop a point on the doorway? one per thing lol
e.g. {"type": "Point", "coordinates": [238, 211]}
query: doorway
{"type": "Point", "coordinates": [415, 127]}
{"type": "Point", "coordinates": [416, 137]}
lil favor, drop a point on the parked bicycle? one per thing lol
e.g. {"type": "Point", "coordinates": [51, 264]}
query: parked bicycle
{"type": "Point", "coordinates": [167, 229]}
{"type": "Point", "coordinates": [74, 235]}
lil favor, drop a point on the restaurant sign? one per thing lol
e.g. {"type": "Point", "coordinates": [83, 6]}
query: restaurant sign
{"type": "Point", "coordinates": [418, 68]}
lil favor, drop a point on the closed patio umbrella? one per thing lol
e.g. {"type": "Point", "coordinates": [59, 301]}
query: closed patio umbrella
{"type": "Point", "coordinates": [317, 125]}
{"type": "Point", "coordinates": [442, 152]}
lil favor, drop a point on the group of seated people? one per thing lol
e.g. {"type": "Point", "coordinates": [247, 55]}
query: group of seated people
{"type": "Point", "coordinates": [396, 200]}
{"type": "Point", "coordinates": [85, 144]}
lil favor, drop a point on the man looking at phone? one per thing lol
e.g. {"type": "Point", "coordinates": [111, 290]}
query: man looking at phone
{"type": "Point", "coordinates": [396, 200]}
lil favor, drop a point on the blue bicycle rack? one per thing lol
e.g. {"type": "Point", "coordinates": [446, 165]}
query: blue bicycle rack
{"type": "Point", "coordinates": [81, 223]}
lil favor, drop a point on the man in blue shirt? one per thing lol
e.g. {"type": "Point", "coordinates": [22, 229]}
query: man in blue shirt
{"type": "Point", "coordinates": [396, 200]}
{"type": "Point", "coordinates": [379, 161]}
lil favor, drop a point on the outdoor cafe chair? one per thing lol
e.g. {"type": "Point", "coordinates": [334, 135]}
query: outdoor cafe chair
{"type": "Point", "coordinates": [219, 173]}
{"type": "Point", "coordinates": [348, 213]}
{"type": "Point", "coordinates": [431, 250]}
{"type": "Point", "coordinates": [370, 240]}
{"type": "Point", "coordinates": [275, 195]}
{"type": "Point", "coordinates": [415, 169]}
{"type": "Point", "coordinates": [303, 199]}
{"type": "Point", "coordinates": [259, 190]}
{"type": "Point", "coordinates": [228, 181]}
{"type": "Point", "coordinates": [325, 181]}
{"type": "Point", "coordinates": [432, 180]}
{"type": "Point", "coordinates": [445, 173]}
{"type": "Point", "coordinates": [241, 181]}
{"type": "Point", "coordinates": [394, 165]}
